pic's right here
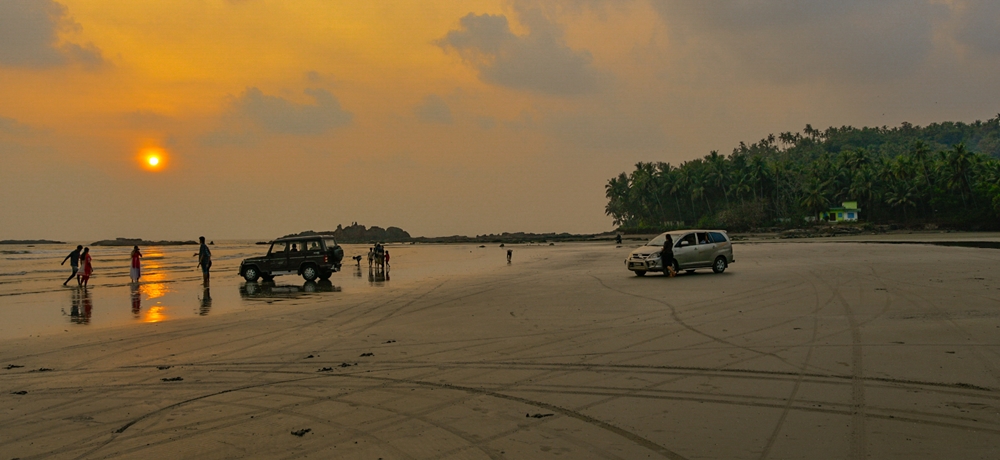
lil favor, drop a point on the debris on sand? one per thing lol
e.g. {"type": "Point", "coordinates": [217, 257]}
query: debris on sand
{"type": "Point", "coordinates": [22, 392]}
{"type": "Point", "coordinates": [12, 366]}
{"type": "Point", "coordinates": [172, 379]}
{"type": "Point", "coordinates": [390, 341]}
{"type": "Point", "coordinates": [345, 365]}
{"type": "Point", "coordinates": [325, 369]}
{"type": "Point", "coordinates": [163, 368]}
{"type": "Point", "coordinates": [41, 369]}
{"type": "Point", "coordinates": [367, 354]}
{"type": "Point", "coordinates": [309, 357]}
{"type": "Point", "coordinates": [538, 415]}
{"type": "Point", "coordinates": [302, 432]}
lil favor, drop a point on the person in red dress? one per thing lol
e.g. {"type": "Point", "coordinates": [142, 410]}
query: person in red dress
{"type": "Point", "coordinates": [134, 272]}
{"type": "Point", "coordinates": [88, 266]}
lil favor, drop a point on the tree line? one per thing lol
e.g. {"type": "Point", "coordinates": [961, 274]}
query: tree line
{"type": "Point", "coordinates": [945, 173]}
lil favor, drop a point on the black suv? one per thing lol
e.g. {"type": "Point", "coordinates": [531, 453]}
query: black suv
{"type": "Point", "coordinates": [310, 256]}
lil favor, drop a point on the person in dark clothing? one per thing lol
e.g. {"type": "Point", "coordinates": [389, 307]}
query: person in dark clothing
{"type": "Point", "coordinates": [618, 239]}
{"type": "Point", "coordinates": [204, 259]}
{"type": "Point", "coordinates": [74, 262]}
{"type": "Point", "coordinates": [667, 256]}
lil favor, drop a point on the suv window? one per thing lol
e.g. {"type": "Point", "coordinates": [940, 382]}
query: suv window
{"type": "Point", "coordinates": [689, 238]}
{"type": "Point", "coordinates": [277, 248]}
{"type": "Point", "coordinates": [330, 243]}
{"type": "Point", "coordinates": [717, 237]}
{"type": "Point", "coordinates": [702, 238]}
{"type": "Point", "coordinates": [311, 245]}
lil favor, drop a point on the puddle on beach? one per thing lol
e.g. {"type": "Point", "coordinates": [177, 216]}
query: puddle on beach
{"type": "Point", "coordinates": [33, 300]}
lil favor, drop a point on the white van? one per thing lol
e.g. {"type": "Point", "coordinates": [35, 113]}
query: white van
{"type": "Point", "coordinates": [692, 249]}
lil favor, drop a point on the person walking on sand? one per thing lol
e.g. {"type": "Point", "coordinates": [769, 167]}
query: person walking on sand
{"type": "Point", "coordinates": [386, 252]}
{"type": "Point", "coordinates": [510, 252]}
{"type": "Point", "coordinates": [134, 272]}
{"type": "Point", "coordinates": [204, 258]}
{"type": "Point", "coordinates": [74, 262]}
{"type": "Point", "coordinates": [667, 256]}
{"type": "Point", "coordinates": [87, 268]}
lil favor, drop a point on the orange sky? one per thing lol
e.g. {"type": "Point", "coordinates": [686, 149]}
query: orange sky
{"type": "Point", "coordinates": [440, 117]}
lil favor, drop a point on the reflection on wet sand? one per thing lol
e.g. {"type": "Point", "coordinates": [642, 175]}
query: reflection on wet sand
{"type": "Point", "coordinates": [136, 299]}
{"type": "Point", "coordinates": [269, 289]}
{"type": "Point", "coordinates": [155, 314]}
{"type": "Point", "coordinates": [377, 276]}
{"type": "Point", "coordinates": [206, 302]}
{"type": "Point", "coordinates": [81, 306]}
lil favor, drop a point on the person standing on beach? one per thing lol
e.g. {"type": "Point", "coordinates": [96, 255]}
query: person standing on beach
{"type": "Point", "coordinates": [204, 258]}
{"type": "Point", "coordinates": [134, 272]}
{"type": "Point", "coordinates": [74, 262]}
{"type": "Point", "coordinates": [88, 267]}
{"type": "Point", "coordinates": [667, 257]}
{"type": "Point", "coordinates": [510, 252]}
{"type": "Point", "coordinates": [386, 258]}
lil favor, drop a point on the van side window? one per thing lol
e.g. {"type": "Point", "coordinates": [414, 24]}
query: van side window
{"type": "Point", "coordinates": [688, 240]}
{"type": "Point", "coordinates": [702, 238]}
{"type": "Point", "coordinates": [279, 248]}
{"type": "Point", "coordinates": [717, 237]}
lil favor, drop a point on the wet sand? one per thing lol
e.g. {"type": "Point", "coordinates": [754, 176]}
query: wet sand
{"type": "Point", "coordinates": [800, 350]}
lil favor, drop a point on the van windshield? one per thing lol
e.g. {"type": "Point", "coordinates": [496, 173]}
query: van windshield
{"type": "Point", "coordinates": [658, 241]}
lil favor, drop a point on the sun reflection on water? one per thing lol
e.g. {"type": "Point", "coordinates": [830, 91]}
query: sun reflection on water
{"type": "Point", "coordinates": [155, 314]}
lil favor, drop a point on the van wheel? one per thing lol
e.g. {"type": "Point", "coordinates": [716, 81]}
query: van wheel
{"type": "Point", "coordinates": [251, 274]}
{"type": "Point", "coordinates": [640, 273]}
{"type": "Point", "coordinates": [310, 273]}
{"type": "Point", "coordinates": [720, 265]}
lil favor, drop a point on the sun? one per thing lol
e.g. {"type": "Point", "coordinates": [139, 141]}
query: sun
{"type": "Point", "coordinates": [152, 158]}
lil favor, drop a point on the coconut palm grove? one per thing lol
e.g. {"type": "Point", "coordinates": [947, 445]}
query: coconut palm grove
{"type": "Point", "coordinates": [946, 174]}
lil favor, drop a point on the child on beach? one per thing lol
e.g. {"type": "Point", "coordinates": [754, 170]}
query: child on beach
{"type": "Point", "coordinates": [88, 267]}
{"type": "Point", "coordinates": [134, 272]}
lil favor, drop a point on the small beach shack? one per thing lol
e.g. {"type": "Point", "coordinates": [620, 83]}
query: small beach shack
{"type": "Point", "coordinates": [848, 211]}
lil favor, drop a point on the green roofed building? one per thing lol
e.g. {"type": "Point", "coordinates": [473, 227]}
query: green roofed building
{"type": "Point", "coordinates": [847, 212]}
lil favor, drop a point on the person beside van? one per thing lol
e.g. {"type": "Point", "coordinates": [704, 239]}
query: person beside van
{"type": "Point", "coordinates": [667, 256]}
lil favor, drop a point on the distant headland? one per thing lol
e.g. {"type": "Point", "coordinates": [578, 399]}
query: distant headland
{"type": "Point", "coordinates": [31, 242]}
{"type": "Point", "coordinates": [356, 233]}
{"type": "Point", "coordinates": [141, 242]}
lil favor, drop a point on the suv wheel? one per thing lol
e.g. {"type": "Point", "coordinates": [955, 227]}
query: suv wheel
{"type": "Point", "coordinates": [640, 273]}
{"type": "Point", "coordinates": [251, 274]}
{"type": "Point", "coordinates": [720, 265]}
{"type": "Point", "coordinates": [310, 273]}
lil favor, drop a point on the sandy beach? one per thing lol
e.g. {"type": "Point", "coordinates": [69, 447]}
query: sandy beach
{"type": "Point", "coordinates": [802, 349]}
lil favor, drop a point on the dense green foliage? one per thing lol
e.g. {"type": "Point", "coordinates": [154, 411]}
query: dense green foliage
{"type": "Point", "coordinates": [945, 173]}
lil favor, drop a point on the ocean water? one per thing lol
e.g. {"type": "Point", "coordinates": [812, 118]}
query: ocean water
{"type": "Point", "coordinates": [33, 301]}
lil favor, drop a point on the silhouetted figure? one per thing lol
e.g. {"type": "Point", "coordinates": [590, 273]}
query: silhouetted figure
{"type": "Point", "coordinates": [386, 252]}
{"type": "Point", "coordinates": [510, 252]}
{"type": "Point", "coordinates": [667, 257]}
{"type": "Point", "coordinates": [134, 272]}
{"type": "Point", "coordinates": [204, 259]}
{"type": "Point", "coordinates": [618, 239]}
{"type": "Point", "coordinates": [74, 263]}
{"type": "Point", "coordinates": [87, 267]}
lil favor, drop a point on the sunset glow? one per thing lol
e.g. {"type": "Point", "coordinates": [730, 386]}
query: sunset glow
{"type": "Point", "coordinates": [517, 112]}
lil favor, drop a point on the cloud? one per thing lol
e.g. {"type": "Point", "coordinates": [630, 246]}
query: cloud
{"type": "Point", "coordinates": [844, 39]}
{"type": "Point", "coordinates": [29, 36]}
{"type": "Point", "coordinates": [279, 115]}
{"type": "Point", "coordinates": [980, 25]}
{"type": "Point", "coordinates": [539, 61]}
{"type": "Point", "coordinates": [433, 109]}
